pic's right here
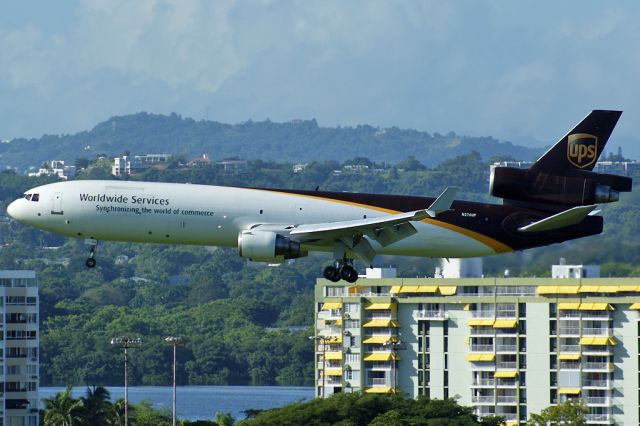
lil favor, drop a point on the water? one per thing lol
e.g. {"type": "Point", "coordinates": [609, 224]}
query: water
{"type": "Point", "coordinates": [202, 402]}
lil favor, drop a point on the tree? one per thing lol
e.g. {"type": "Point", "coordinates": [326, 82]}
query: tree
{"type": "Point", "coordinates": [571, 412]}
{"type": "Point", "coordinates": [96, 406]}
{"type": "Point", "coordinates": [62, 409]}
{"type": "Point", "coordinates": [224, 419]}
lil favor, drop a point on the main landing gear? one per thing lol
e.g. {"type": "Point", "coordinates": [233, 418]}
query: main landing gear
{"type": "Point", "coordinates": [343, 269]}
{"type": "Point", "coordinates": [93, 245]}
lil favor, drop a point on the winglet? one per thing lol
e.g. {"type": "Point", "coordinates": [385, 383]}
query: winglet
{"type": "Point", "coordinates": [443, 202]}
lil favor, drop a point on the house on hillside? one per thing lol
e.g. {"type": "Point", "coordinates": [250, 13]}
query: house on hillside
{"type": "Point", "coordinates": [55, 168]}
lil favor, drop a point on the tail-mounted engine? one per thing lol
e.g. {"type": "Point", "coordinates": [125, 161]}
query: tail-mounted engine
{"type": "Point", "coordinates": [268, 246]}
{"type": "Point", "coordinates": [540, 190]}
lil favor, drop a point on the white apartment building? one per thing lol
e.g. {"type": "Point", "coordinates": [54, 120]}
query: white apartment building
{"type": "Point", "coordinates": [504, 346]}
{"type": "Point", "coordinates": [19, 357]}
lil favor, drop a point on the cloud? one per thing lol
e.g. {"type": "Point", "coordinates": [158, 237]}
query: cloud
{"type": "Point", "coordinates": [522, 71]}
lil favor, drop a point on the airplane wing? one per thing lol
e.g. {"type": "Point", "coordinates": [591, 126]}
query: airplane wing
{"type": "Point", "coordinates": [559, 220]}
{"type": "Point", "coordinates": [385, 230]}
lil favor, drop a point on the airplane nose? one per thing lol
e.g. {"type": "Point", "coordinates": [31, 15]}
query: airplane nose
{"type": "Point", "coordinates": [13, 210]}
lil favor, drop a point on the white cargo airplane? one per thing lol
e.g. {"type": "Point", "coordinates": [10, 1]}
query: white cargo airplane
{"type": "Point", "coordinates": [548, 203]}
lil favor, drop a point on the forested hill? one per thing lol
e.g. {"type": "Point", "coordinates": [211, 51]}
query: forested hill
{"type": "Point", "coordinates": [295, 141]}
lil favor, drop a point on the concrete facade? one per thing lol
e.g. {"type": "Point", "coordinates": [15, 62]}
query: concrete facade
{"type": "Point", "coordinates": [19, 363]}
{"type": "Point", "coordinates": [505, 346]}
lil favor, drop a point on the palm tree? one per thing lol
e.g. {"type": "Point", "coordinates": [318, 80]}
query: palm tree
{"type": "Point", "coordinates": [62, 409]}
{"type": "Point", "coordinates": [116, 417]}
{"type": "Point", "coordinates": [96, 406]}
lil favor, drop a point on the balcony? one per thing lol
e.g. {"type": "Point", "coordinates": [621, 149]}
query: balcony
{"type": "Point", "coordinates": [483, 314]}
{"type": "Point", "coordinates": [569, 314]}
{"type": "Point", "coordinates": [506, 348]}
{"type": "Point", "coordinates": [508, 383]}
{"type": "Point", "coordinates": [602, 384]}
{"type": "Point", "coordinates": [507, 399]}
{"type": "Point", "coordinates": [432, 315]}
{"type": "Point", "coordinates": [379, 315]}
{"type": "Point", "coordinates": [569, 348]}
{"type": "Point", "coordinates": [597, 366]}
{"type": "Point", "coordinates": [483, 382]}
{"type": "Point", "coordinates": [597, 418]}
{"type": "Point", "coordinates": [482, 399]}
{"type": "Point", "coordinates": [378, 382]}
{"type": "Point", "coordinates": [506, 365]}
{"type": "Point", "coordinates": [481, 348]}
{"type": "Point", "coordinates": [599, 331]}
{"type": "Point", "coordinates": [569, 331]}
{"type": "Point", "coordinates": [597, 350]}
{"type": "Point", "coordinates": [587, 315]}
{"type": "Point", "coordinates": [482, 331]}
{"type": "Point", "coordinates": [598, 400]}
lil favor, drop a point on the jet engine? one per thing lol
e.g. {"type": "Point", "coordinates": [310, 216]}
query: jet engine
{"type": "Point", "coordinates": [267, 246]}
{"type": "Point", "coordinates": [576, 188]}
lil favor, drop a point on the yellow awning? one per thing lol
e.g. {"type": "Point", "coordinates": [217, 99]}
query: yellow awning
{"type": "Point", "coordinates": [381, 323]}
{"type": "Point", "coordinates": [505, 374]}
{"type": "Point", "coordinates": [378, 390]}
{"type": "Point", "coordinates": [608, 289]}
{"type": "Point", "coordinates": [635, 306]}
{"type": "Point", "coordinates": [380, 356]}
{"type": "Point", "coordinates": [372, 306]}
{"type": "Point", "coordinates": [569, 391]}
{"type": "Point", "coordinates": [478, 322]}
{"type": "Point", "coordinates": [333, 355]}
{"type": "Point", "coordinates": [568, 289]}
{"type": "Point", "coordinates": [331, 305]}
{"type": "Point", "coordinates": [599, 341]}
{"type": "Point", "coordinates": [395, 288]}
{"type": "Point", "coordinates": [408, 289]}
{"type": "Point", "coordinates": [629, 288]}
{"type": "Point", "coordinates": [337, 321]}
{"type": "Point", "coordinates": [467, 307]}
{"type": "Point", "coordinates": [447, 290]}
{"type": "Point", "coordinates": [480, 357]}
{"type": "Point", "coordinates": [568, 306]}
{"type": "Point", "coordinates": [568, 357]}
{"type": "Point", "coordinates": [331, 339]}
{"type": "Point", "coordinates": [505, 323]}
{"type": "Point", "coordinates": [589, 289]}
{"type": "Point", "coordinates": [595, 307]}
{"type": "Point", "coordinates": [333, 372]}
{"type": "Point", "coordinates": [380, 340]}
{"type": "Point", "coordinates": [427, 288]}
{"type": "Point", "coordinates": [558, 289]}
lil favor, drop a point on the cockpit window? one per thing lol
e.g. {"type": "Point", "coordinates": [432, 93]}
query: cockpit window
{"type": "Point", "coordinates": [35, 197]}
{"type": "Point", "coordinates": [27, 196]}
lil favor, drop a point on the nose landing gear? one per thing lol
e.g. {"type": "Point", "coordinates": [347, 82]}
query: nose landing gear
{"type": "Point", "coordinates": [343, 269]}
{"type": "Point", "coordinates": [93, 245]}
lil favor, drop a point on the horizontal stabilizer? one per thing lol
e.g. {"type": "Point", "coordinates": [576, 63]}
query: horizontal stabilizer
{"type": "Point", "coordinates": [443, 202]}
{"type": "Point", "coordinates": [560, 220]}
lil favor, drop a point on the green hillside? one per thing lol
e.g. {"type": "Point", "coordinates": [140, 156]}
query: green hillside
{"type": "Point", "coordinates": [295, 141]}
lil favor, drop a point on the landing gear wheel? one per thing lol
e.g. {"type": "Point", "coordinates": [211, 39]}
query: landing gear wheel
{"type": "Point", "coordinates": [349, 274]}
{"type": "Point", "coordinates": [91, 262]}
{"type": "Point", "coordinates": [331, 273]}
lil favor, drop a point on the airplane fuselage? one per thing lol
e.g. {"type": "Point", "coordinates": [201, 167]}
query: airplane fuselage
{"type": "Point", "coordinates": [215, 215]}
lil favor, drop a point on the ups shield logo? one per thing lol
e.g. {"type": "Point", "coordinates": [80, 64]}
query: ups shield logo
{"type": "Point", "coordinates": [582, 149]}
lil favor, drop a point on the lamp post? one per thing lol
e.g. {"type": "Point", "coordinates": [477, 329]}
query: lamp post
{"type": "Point", "coordinates": [323, 340]}
{"type": "Point", "coordinates": [126, 343]}
{"type": "Point", "coordinates": [395, 344]}
{"type": "Point", "coordinates": [174, 341]}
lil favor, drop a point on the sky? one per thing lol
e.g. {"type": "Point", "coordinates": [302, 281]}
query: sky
{"type": "Point", "coordinates": [522, 71]}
